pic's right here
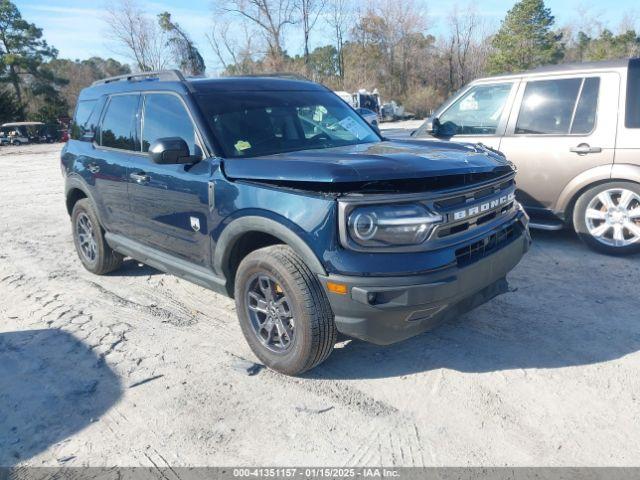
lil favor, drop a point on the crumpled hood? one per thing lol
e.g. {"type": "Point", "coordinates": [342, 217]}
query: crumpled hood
{"type": "Point", "coordinates": [387, 160]}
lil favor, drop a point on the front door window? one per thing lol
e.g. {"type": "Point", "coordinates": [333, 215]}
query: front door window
{"type": "Point", "coordinates": [478, 111]}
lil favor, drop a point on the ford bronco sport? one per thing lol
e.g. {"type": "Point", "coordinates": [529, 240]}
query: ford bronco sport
{"type": "Point", "coordinates": [275, 192]}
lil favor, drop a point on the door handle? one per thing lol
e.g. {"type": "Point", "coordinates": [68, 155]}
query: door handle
{"type": "Point", "coordinates": [584, 148]}
{"type": "Point", "coordinates": [140, 177]}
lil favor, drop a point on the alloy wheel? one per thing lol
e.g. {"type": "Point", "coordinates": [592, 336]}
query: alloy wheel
{"type": "Point", "coordinates": [86, 237]}
{"type": "Point", "coordinates": [613, 217]}
{"type": "Point", "coordinates": [270, 313]}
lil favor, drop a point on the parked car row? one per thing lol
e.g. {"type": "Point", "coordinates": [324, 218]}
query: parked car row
{"type": "Point", "coordinates": [573, 132]}
{"type": "Point", "coordinates": [23, 133]}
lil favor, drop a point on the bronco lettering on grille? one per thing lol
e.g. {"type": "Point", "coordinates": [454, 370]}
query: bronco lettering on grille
{"type": "Point", "coordinates": [483, 207]}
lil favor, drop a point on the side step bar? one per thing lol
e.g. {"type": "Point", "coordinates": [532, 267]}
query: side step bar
{"type": "Point", "coordinates": [167, 263]}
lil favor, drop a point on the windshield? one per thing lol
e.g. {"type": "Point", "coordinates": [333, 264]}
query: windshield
{"type": "Point", "coordinates": [250, 124]}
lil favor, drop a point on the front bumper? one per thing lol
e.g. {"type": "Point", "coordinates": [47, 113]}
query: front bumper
{"type": "Point", "coordinates": [385, 310]}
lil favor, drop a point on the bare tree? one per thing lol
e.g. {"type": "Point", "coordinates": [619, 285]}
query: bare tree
{"type": "Point", "coordinates": [270, 17]}
{"type": "Point", "coordinates": [462, 28]}
{"type": "Point", "coordinates": [236, 53]}
{"type": "Point", "coordinates": [310, 10]}
{"type": "Point", "coordinates": [465, 46]}
{"type": "Point", "coordinates": [137, 36]}
{"type": "Point", "coordinates": [390, 38]}
{"type": "Point", "coordinates": [338, 19]}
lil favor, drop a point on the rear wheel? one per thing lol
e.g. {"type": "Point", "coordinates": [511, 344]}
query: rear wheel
{"type": "Point", "coordinates": [607, 218]}
{"type": "Point", "coordinates": [283, 310]}
{"type": "Point", "coordinates": [88, 237]}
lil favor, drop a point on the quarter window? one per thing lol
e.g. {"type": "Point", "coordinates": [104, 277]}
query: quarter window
{"type": "Point", "coordinates": [559, 107]}
{"type": "Point", "coordinates": [165, 116]}
{"type": "Point", "coordinates": [81, 119]}
{"type": "Point", "coordinates": [632, 115]}
{"type": "Point", "coordinates": [118, 128]}
{"type": "Point", "coordinates": [478, 111]}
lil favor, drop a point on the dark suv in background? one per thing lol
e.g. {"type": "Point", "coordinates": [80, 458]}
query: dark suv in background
{"type": "Point", "coordinates": [277, 193]}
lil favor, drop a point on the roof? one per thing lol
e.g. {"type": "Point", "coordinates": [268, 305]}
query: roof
{"type": "Point", "coordinates": [173, 80]}
{"type": "Point", "coordinates": [620, 63]}
{"type": "Point", "coordinates": [251, 83]}
{"type": "Point", "coordinates": [568, 67]}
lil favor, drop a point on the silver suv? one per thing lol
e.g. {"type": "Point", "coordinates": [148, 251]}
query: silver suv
{"type": "Point", "coordinates": [573, 131]}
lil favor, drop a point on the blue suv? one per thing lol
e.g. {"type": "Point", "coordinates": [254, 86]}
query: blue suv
{"type": "Point", "coordinates": [275, 192]}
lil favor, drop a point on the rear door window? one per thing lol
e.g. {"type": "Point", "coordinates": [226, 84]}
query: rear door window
{"type": "Point", "coordinates": [584, 119]}
{"type": "Point", "coordinates": [118, 129]}
{"type": "Point", "coordinates": [559, 107]}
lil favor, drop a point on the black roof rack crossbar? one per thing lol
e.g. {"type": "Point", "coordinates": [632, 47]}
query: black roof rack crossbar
{"type": "Point", "coordinates": [167, 75]}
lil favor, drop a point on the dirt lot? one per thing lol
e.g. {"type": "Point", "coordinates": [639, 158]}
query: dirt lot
{"type": "Point", "coordinates": [140, 368]}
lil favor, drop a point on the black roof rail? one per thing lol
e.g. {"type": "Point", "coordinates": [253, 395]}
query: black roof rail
{"type": "Point", "coordinates": [166, 75]}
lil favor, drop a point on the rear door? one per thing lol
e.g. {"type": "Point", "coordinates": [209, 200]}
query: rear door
{"type": "Point", "coordinates": [561, 126]}
{"type": "Point", "coordinates": [116, 146]}
{"type": "Point", "coordinates": [170, 203]}
{"type": "Point", "coordinates": [480, 114]}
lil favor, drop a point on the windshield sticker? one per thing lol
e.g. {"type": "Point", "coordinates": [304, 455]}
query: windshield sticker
{"type": "Point", "coordinates": [242, 145]}
{"type": "Point", "coordinates": [354, 128]}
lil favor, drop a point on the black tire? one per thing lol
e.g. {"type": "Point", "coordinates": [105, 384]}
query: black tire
{"type": "Point", "coordinates": [105, 259]}
{"type": "Point", "coordinates": [314, 330]}
{"type": "Point", "coordinates": [580, 220]}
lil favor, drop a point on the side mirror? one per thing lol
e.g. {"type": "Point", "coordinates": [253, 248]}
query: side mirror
{"type": "Point", "coordinates": [432, 126]}
{"type": "Point", "coordinates": [171, 150]}
{"type": "Point", "coordinates": [86, 136]}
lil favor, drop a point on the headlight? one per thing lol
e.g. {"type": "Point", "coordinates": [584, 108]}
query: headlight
{"type": "Point", "coordinates": [391, 225]}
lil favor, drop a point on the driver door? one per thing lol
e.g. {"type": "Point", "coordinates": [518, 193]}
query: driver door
{"type": "Point", "coordinates": [169, 203]}
{"type": "Point", "coordinates": [480, 114]}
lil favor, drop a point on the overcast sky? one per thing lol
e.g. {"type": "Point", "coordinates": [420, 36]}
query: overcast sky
{"type": "Point", "coordinates": [76, 27]}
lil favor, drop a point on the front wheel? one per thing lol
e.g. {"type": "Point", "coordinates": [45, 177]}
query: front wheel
{"type": "Point", "coordinates": [283, 310]}
{"type": "Point", "coordinates": [607, 218]}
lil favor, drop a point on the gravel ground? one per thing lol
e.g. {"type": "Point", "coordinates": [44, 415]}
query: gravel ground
{"type": "Point", "coordinates": [141, 368]}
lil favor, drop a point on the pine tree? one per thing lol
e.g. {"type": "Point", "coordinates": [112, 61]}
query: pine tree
{"type": "Point", "coordinates": [525, 39]}
{"type": "Point", "coordinates": [22, 49]}
{"type": "Point", "coordinates": [184, 51]}
{"type": "Point", "coordinates": [10, 110]}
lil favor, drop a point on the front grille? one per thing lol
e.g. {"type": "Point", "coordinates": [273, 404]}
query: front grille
{"type": "Point", "coordinates": [464, 226]}
{"type": "Point", "coordinates": [477, 195]}
{"type": "Point", "coordinates": [480, 249]}
{"type": "Point", "coordinates": [484, 198]}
